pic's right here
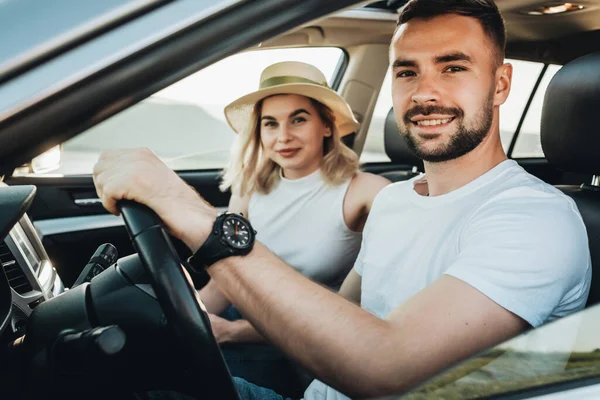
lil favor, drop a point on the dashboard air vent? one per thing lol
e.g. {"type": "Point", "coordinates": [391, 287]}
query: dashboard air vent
{"type": "Point", "coordinates": [16, 278]}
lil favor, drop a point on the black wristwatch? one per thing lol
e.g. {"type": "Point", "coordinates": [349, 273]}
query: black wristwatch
{"type": "Point", "coordinates": [232, 235]}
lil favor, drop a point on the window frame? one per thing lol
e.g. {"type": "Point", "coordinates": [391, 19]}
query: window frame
{"type": "Point", "coordinates": [340, 69]}
{"type": "Point", "coordinates": [515, 136]}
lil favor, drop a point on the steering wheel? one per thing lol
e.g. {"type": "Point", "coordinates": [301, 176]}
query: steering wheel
{"type": "Point", "coordinates": [188, 321]}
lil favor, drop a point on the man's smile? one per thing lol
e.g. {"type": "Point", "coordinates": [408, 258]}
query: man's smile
{"type": "Point", "coordinates": [431, 123]}
{"type": "Point", "coordinates": [431, 119]}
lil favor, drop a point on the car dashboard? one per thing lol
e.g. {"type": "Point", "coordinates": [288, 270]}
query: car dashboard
{"type": "Point", "coordinates": [29, 276]}
{"type": "Point", "coordinates": [30, 273]}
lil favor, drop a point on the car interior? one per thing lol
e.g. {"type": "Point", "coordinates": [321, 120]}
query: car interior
{"type": "Point", "coordinates": [72, 312]}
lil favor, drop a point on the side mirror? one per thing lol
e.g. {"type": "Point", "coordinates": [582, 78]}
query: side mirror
{"type": "Point", "coordinates": [45, 162]}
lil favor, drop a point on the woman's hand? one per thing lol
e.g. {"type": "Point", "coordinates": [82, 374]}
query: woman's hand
{"type": "Point", "coordinates": [239, 331]}
{"type": "Point", "coordinates": [222, 329]}
{"type": "Point", "coordinates": [139, 175]}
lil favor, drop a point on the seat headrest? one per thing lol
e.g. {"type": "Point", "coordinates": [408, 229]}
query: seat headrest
{"type": "Point", "coordinates": [569, 129]}
{"type": "Point", "coordinates": [395, 145]}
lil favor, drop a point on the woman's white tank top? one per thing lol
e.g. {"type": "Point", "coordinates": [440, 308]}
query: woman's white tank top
{"type": "Point", "coordinates": [302, 222]}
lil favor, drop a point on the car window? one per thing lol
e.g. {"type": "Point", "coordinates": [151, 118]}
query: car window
{"type": "Point", "coordinates": [528, 143]}
{"type": "Point", "coordinates": [32, 23]}
{"type": "Point", "coordinates": [561, 352]}
{"type": "Point", "coordinates": [374, 149]}
{"type": "Point", "coordinates": [525, 74]}
{"type": "Point", "coordinates": [184, 123]}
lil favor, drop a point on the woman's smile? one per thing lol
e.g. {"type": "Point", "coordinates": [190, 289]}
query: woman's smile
{"type": "Point", "coordinates": [289, 152]}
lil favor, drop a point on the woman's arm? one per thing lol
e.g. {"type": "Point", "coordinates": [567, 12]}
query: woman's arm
{"type": "Point", "coordinates": [238, 204]}
{"type": "Point", "coordinates": [240, 331]}
{"type": "Point", "coordinates": [363, 189]}
{"type": "Point", "coordinates": [350, 289]}
{"type": "Point", "coordinates": [357, 206]}
{"type": "Point", "coordinates": [214, 300]}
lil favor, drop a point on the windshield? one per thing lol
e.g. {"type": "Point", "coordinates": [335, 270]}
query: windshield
{"type": "Point", "coordinates": [563, 351]}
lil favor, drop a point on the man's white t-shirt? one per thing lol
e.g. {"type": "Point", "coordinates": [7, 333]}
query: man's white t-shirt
{"type": "Point", "coordinates": [518, 240]}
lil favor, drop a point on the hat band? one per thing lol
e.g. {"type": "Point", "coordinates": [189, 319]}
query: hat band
{"type": "Point", "coordinates": [286, 80]}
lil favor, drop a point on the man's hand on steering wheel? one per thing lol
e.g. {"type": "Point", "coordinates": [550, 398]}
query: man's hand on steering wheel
{"type": "Point", "coordinates": [139, 175]}
{"type": "Point", "coordinates": [136, 184]}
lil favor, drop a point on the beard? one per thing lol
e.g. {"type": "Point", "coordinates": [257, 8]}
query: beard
{"type": "Point", "coordinates": [464, 140]}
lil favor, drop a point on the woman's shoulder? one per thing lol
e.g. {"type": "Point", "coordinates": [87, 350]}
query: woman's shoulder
{"type": "Point", "coordinates": [366, 181]}
{"type": "Point", "coordinates": [365, 186]}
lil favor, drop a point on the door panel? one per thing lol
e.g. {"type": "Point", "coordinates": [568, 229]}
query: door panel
{"type": "Point", "coordinates": [72, 223]}
{"type": "Point", "coordinates": [60, 197]}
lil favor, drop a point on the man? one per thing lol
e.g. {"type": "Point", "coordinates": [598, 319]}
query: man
{"type": "Point", "coordinates": [452, 264]}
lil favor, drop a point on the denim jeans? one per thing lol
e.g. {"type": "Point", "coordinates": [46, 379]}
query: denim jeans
{"type": "Point", "coordinates": [247, 391]}
{"type": "Point", "coordinates": [262, 364]}
{"type": "Point", "coordinates": [250, 391]}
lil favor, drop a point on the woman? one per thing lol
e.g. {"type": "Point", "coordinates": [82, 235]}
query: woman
{"type": "Point", "coordinates": [298, 184]}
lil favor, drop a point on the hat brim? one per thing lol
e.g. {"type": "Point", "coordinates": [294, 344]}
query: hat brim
{"type": "Point", "coordinates": [238, 112]}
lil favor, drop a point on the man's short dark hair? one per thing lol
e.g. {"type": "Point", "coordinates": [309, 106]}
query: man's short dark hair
{"type": "Point", "coordinates": [485, 11]}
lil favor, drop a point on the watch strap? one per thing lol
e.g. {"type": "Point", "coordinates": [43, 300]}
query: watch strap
{"type": "Point", "coordinates": [198, 261]}
{"type": "Point", "coordinates": [211, 251]}
{"type": "Point", "coordinates": [215, 248]}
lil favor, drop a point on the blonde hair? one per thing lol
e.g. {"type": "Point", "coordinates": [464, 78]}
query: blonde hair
{"type": "Point", "coordinates": [249, 171]}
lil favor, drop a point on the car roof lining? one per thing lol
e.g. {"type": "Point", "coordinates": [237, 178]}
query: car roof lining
{"type": "Point", "coordinates": [554, 39]}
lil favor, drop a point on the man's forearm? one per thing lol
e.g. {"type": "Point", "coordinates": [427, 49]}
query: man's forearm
{"type": "Point", "coordinates": [312, 324]}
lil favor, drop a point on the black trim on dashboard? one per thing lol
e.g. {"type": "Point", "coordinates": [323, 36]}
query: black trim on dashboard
{"type": "Point", "coordinates": [14, 203]}
{"type": "Point", "coordinates": [64, 114]}
{"type": "Point", "coordinates": [5, 301]}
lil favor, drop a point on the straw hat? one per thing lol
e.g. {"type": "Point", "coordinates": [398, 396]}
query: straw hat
{"type": "Point", "coordinates": [292, 77]}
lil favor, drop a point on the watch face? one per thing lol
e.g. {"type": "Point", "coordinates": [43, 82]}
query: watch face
{"type": "Point", "coordinates": [236, 232]}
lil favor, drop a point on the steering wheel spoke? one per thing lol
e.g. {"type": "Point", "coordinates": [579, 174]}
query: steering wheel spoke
{"type": "Point", "coordinates": [177, 297]}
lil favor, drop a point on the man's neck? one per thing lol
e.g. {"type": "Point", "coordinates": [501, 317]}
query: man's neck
{"type": "Point", "coordinates": [447, 176]}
